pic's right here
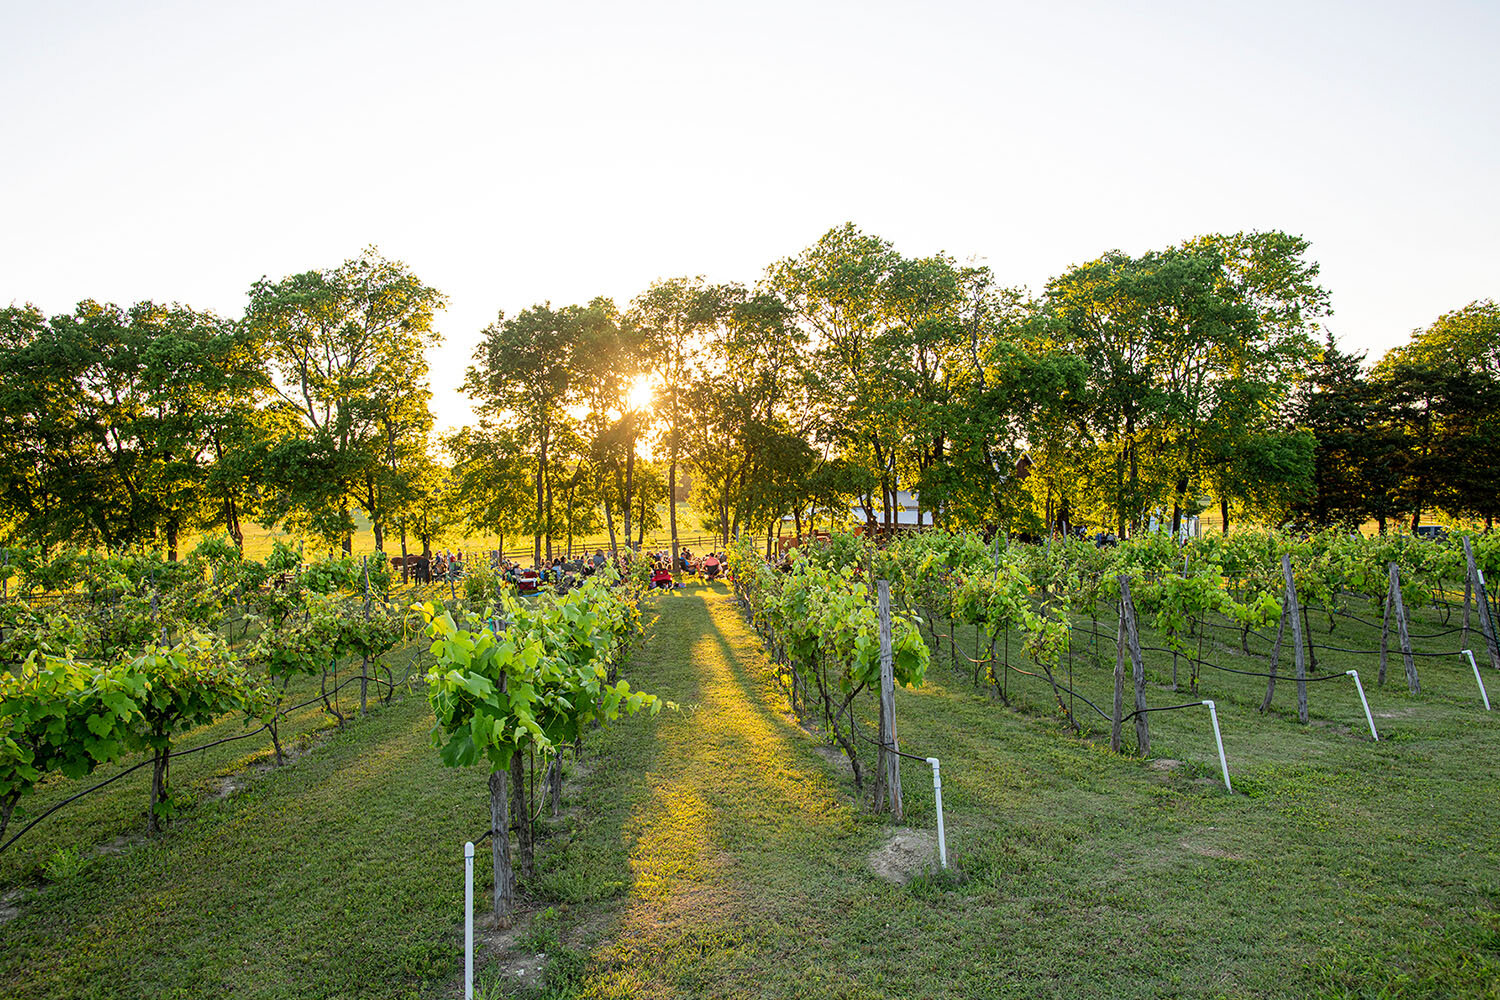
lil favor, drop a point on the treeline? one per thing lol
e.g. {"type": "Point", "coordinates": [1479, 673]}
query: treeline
{"type": "Point", "coordinates": [1131, 387]}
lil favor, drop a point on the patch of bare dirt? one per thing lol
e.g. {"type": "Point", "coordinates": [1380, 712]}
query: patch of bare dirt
{"type": "Point", "coordinates": [119, 844]}
{"type": "Point", "coordinates": [518, 968]}
{"type": "Point", "coordinates": [1337, 727]}
{"type": "Point", "coordinates": [836, 757]}
{"type": "Point", "coordinates": [1208, 852]}
{"type": "Point", "coordinates": [907, 854]}
{"type": "Point", "coordinates": [1399, 713]}
{"type": "Point", "coordinates": [1164, 764]}
{"type": "Point", "coordinates": [231, 784]}
{"type": "Point", "coordinates": [521, 969]}
{"type": "Point", "coordinates": [10, 905]}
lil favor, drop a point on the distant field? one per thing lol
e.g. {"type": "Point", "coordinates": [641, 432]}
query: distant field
{"type": "Point", "coordinates": [259, 540]}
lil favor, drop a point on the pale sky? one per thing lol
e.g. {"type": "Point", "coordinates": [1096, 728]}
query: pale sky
{"type": "Point", "coordinates": [516, 153]}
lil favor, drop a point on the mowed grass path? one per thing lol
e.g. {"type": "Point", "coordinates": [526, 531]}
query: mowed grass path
{"type": "Point", "coordinates": [714, 852]}
{"type": "Point", "coordinates": [1347, 869]}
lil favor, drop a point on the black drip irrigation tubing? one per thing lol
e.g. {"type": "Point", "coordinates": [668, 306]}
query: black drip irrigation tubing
{"type": "Point", "coordinates": [1394, 651]}
{"type": "Point", "coordinates": [1247, 673]}
{"type": "Point", "coordinates": [281, 712]}
{"type": "Point", "coordinates": [1163, 708]}
{"type": "Point", "coordinates": [887, 747]}
{"type": "Point", "coordinates": [1231, 627]}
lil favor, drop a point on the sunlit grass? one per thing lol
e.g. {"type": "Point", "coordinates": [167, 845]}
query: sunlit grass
{"type": "Point", "coordinates": [713, 852]}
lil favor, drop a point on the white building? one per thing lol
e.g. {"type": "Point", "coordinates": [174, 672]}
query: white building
{"type": "Point", "coordinates": [906, 515]}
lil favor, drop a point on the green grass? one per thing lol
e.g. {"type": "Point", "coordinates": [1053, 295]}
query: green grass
{"type": "Point", "coordinates": [714, 852]}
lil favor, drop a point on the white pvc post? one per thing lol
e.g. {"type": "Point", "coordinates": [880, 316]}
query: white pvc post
{"type": "Point", "coordinates": [1479, 680]}
{"type": "Point", "coordinates": [469, 920]}
{"type": "Point", "coordinates": [1213, 713]}
{"type": "Point", "coordinates": [1365, 702]}
{"type": "Point", "coordinates": [937, 792]}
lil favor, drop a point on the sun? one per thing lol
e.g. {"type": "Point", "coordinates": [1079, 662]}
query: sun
{"type": "Point", "coordinates": [642, 390]}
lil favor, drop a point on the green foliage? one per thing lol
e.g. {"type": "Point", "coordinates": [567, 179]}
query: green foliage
{"type": "Point", "coordinates": [535, 683]}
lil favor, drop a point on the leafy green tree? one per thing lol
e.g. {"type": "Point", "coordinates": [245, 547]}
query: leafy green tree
{"type": "Point", "coordinates": [524, 377]}
{"type": "Point", "coordinates": [612, 353]}
{"type": "Point", "coordinates": [1445, 415]}
{"type": "Point", "coordinates": [492, 475]}
{"type": "Point", "coordinates": [342, 344]}
{"type": "Point", "coordinates": [675, 316]}
{"type": "Point", "coordinates": [1170, 339]}
{"type": "Point", "coordinates": [1352, 452]}
{"type": "Point", "coordinates": [120, 415]}
{"type": "Point", "coordinates": [836, 290]}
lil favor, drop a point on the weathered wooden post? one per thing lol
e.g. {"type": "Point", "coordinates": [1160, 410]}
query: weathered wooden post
{"type": "Point", "coordinates": [1137, 667]}
{"type": "Point", "coordinates": [889, 772]}
{"type": "Point", "coordinates": [1398, 609]}
{"type": "Point", "coordinates": [1299, 659]}
{"type": "Point", "coordinates": [1486, 621]}
{"type": "Point", "coordinates": [1116, 720]}
{"type": "Point", "coordinates": [364, 665]}
{"type": "Point", "coordinates": [1265, 705]}
{"type": "Point", "coordinates": [1385, 634]}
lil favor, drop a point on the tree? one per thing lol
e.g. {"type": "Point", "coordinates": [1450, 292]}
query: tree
{"type": "Point", "coordinates": [1351, 451]}
{"type": "Point", "coordinates": [611, 355]}
{"type": "Point", "coordinates": [1175, 348]}
{"type": "Point", "coordinates": [119, 416]}
{"type": "Point", "coordinates": [1445, 414]}
{"type": "Point", "coordinates": [524, 376]}
{"type": "Point", "coordinates": [492, 474]}
{"type": "Point", "coordinates": [342, 344]}
{"type": "Point", "coordinates": [836, 292]}
{"type": "Point", "coordinates": [675, 316]}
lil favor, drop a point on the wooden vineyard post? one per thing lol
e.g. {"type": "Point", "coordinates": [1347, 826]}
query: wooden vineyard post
{"type": "Point", "coordinates": [1398, 607]}
{"type": "Point", "coordinates": [1300, 657]}
{"type": "Point", "coordinates": [1468, 593]}
{"type": "Point", "coordinates": [889, 772]}
{"type": "Point", "coordinates": [1116, 719]}
{"type": "Point", "coordinates": [1265, 706]}
{"type": "Point", "coordinates": [1385, 635]}
{"type": "Point", "coordinates": [364, 666]}
{"type": "Point", "coordinates": [1137, 668]}
{"type": "Point", "coordinates": [1482, 599]}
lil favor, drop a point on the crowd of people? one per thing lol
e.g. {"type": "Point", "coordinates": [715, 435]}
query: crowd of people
{"type": "Point", "coordinates": [563, 573]}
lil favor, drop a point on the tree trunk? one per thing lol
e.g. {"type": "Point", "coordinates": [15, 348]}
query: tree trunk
{"type": "Point", "coordinates": [1120, 494]}
{"type": "Point", "coordinates": [541, 474]}
{"type": "Point", "coordinates": [672, 502]}
{"type": "Point", "coordinates": [629, 495]}
{"type": "Point", "coordinates": [1177, 508]}
{"type": "Point", "coordinates": [172, 540]}
{"type": "Point", "coordinates": [640, 544]}
{"type": "Point", "coordinates": [160, 761]}
{"type": "Point", "coordinates": [505, 875]}
{"type": "Point", "coordinates": [547, 524]}
{"type": "Point", "coordinates": [554, 785]}
{"type": "Point", "coordinates": [405, 576]}
{"type": "Point", "coordinates": [609, 514]}
{"type": "Point", "coordinates": [232, 524]}
{"type": "Point", "coordinates": [1224, 513]}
